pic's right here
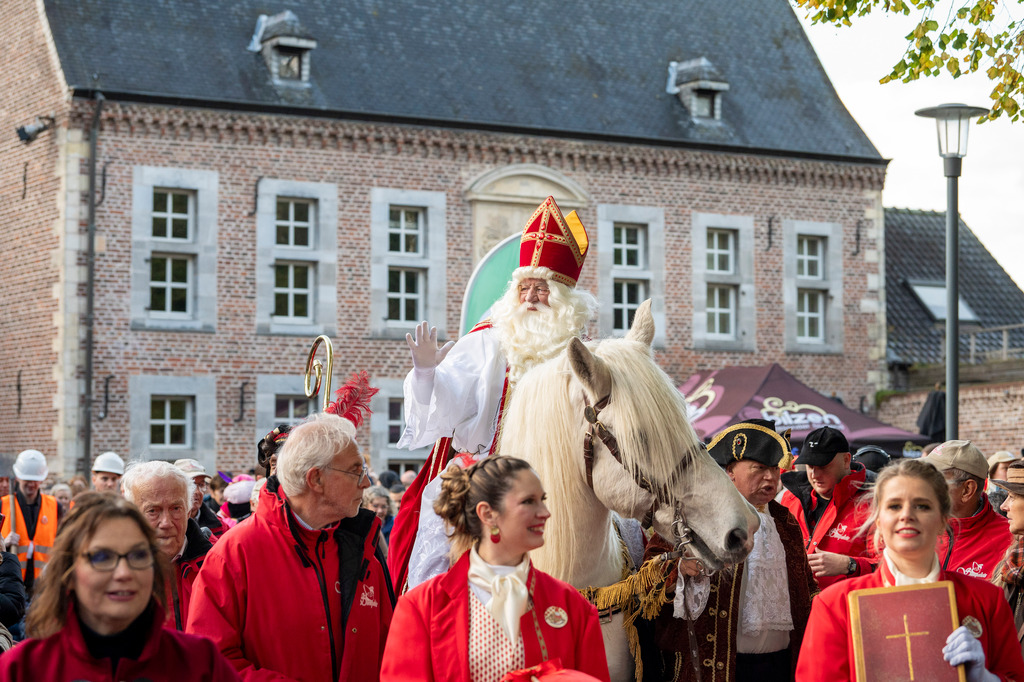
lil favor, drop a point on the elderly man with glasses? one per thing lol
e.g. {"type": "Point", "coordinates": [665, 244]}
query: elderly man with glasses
{"type": "Point", "coordinates": [306, 564]}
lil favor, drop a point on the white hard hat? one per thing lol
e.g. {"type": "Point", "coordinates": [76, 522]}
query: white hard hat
{"type": "Point", "coordinates": [30, 466]}
{"type": "Point", "coordinates": [109, 462]}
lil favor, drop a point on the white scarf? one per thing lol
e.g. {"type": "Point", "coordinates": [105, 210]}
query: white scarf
{"type": "Point", "coordinates": [902, 579]}
{"type": "Point", "coordinates": [509, 596]}
{"type": "Point", "coordinates": [767, 595]}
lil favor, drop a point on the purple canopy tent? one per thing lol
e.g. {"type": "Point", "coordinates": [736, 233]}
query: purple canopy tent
{"type": "Point", "coordinates": [718, 398]}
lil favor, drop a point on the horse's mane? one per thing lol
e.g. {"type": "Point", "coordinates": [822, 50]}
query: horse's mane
{"type": "Point", "coordinates": [544, 425]}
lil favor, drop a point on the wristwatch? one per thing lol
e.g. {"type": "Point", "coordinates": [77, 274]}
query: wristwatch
{"type": "Point", "coordinates": [851, 567]}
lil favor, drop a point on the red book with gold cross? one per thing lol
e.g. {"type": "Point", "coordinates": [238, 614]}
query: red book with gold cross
{"type": "Point", "coordinates": [898, 632]}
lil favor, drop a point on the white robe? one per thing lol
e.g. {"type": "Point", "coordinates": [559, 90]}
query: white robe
{"type": "Point", "coordinates": [461, 402]}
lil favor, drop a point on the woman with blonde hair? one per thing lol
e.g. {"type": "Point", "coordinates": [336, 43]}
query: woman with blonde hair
{"type": "Point", "coordinates": [492, 612]}
{"type": "Point", "coordinates": [98, 609]}
{"type": "Point", "coordinates": [910, 507]}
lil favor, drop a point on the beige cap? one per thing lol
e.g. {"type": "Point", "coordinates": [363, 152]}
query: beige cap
{"type": "Point", "coordinates": [959, 454]}
{"type": "Point", "coordinates": [999, 458]}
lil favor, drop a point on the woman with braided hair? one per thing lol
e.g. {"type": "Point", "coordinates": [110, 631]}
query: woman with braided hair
{"type": "Point", "coordinates": [492, 608]}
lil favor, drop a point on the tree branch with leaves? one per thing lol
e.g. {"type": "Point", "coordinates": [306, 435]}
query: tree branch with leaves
{"type": "Point", "coordinates": [976, 36]}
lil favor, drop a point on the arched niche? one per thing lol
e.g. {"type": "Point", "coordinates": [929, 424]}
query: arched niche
{"type": "Point", "coordinates": [502, 200]}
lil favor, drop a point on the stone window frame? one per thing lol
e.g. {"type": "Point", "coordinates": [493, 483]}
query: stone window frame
{"type": "Point", "coordinates": [200, 249]}
{"type": "Point", "coordinates": [383, 452]}
{"type": "Point", "coordinates": [202, 390]}
{"type": "Point", "coordinates": [741, 279]}
{"type": "Point", "coordinates": [830, 284]}
{"type": "Point", "coordinates": [653, 217]}
{"type": "Point", "coordinates": [268, 387]}
{"type": "Point", "coordinates": [321, 254]}
{"type": "Point", "coordinates": [432, 262]}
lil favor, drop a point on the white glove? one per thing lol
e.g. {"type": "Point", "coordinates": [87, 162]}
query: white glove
{"type": "Point", "coordinates": [963, 647]}
{"type": "Point", "coordinates": [12, 539]}
{"type": "Point", "coordinates": [423, 347]}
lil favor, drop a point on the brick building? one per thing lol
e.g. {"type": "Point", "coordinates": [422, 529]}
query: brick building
{"type": "Point", "coordinates": [257, 182]}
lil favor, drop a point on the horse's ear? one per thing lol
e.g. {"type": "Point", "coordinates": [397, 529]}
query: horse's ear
{"type": "Point", "coordinates": [643, 325]}
{"type": "Point", "coordinates": [589, 369]}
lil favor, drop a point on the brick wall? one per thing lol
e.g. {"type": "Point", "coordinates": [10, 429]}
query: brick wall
{"type": "Point", "coordinates": [990, 415]}
{"type": "Point", "coordinates": [42, 332]}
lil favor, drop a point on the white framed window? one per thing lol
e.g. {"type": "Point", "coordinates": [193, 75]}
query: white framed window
{"type": "Point", "coordinates": [173, 214]}
{"type": "Point", "coordinates": [396, 420]}
{"type": "Point", "coordinates": [294, 222]}
{"type": "Point", "coordinates": [292, 409]}
{"type": "Point", "coordinates": [812, 286]}
{"type": "Point", "coordinates": [174, 249]}
{"type": "Point", "coordinates": [387, 423]}
{"type": "Point", "coordinates": [408, 261]}
{"type": "Point", "coordinates": [296, 257]}
{"type": "Point", "coordinates": [406, 230]}
{"type": "Point", "coordinates": [721, 251]}
{"type": "Point", "coordinates": [170, 421]}
{"type": "Point", "coordinates": [631, 258]}
{"type": "Point", "coordinates": [721, 311]}
{"type": "Point", "coordinates": [170, 286]}
{"type": "Point", "coordinates": [723, 282]}
{"type": "Point", "coordinates": [810, 257]}
{"type": "Point", "coordinates": [810, 316]}
{"type": "Point", "coordinates": [293, 291]}
{"type": "Point", "coordinates": [172, 417]}
{"type": "Point", "coordinates": [627, 297]}
{"type": "Point", "coordinates": [630, 245]}
{"type": "Point", "coordinates": [405, 295]}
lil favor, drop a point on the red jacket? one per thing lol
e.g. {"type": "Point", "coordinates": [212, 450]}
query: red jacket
{"type": "Point", "coordinates": [285, 603]}
{"type": "Point", "coordinates": [186, 569]}
{"type": "Point", "coordinates": [168, 656]}
{"type": "Point", "coordinates": [838, 529]}
{"type": "Point", "coordinates": [431, 629]}
{"type": "Point", "coordinates": [979, 543]}
{"type": "Point", "coordinates": [827, 650]}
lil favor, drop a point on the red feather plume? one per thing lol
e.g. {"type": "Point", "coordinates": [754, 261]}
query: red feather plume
{"type": "Point", "coordinates": [352, 401]}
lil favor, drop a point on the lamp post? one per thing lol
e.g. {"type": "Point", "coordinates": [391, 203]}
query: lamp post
{"type": "Point", "coordinates": [952, 123]}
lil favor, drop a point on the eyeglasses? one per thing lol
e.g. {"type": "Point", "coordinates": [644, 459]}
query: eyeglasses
{"type": "Point", "coordinates": [364, 474]}
{"type": "Point", "coordinates": [106, 560]}
{"type": "Point", "coordinates": [540, 289]}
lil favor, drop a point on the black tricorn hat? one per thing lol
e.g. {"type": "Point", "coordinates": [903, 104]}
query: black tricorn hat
{"type": "Point", "coordinates": [755, 440]}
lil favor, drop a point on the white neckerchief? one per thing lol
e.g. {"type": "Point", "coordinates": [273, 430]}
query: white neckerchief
{"type": "Point", "coordinates": [507, 587]}
{"type": "Point", "coordinates": [766, 604]}
{"type": "Point", "coordinates": [902, 579]}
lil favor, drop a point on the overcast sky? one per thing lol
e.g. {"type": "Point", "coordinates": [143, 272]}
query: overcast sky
{"type": "Point", "coordinates": [992, 183]}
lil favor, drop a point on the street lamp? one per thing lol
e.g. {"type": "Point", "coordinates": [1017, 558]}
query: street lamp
{"type": "Point", "coordinates": [952, 123]}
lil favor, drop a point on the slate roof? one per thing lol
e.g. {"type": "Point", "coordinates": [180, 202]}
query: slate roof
{"type": "Point", "coordinates": [915, 251]}
{"type": "Point", "coordinates": [572, 68]}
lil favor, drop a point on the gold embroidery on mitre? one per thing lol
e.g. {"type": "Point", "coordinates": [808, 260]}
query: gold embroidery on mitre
{"type": "Point", "coordinates": [560, 234]}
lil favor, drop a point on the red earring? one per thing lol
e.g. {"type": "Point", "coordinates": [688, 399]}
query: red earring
{"type": "Point", "coordinates": [495, 535]}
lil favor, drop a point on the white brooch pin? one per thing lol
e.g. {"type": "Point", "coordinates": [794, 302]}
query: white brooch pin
{"type": "Point", "coordinates": [556, 617]}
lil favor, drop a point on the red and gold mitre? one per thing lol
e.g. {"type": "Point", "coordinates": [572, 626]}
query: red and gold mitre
{"type": "Point", "coordinates": [554, 242]}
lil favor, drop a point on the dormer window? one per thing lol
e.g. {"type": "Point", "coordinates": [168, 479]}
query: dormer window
{"type": "Point", "coordinates": [285, 45]}
{"type": "Point", "coordinates": [700, 88]}
{"type": "Point", "coordinates": [289, 63]}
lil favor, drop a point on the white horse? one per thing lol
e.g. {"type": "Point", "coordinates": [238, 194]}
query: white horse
{"type": "Point", "coordinates": [662, 461]}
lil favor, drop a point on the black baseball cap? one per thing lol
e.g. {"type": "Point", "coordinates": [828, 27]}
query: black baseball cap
{"type": "Point", "coordinates": [821, 445]}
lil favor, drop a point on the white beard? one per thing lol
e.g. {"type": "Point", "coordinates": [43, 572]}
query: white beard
{"type": "Point", "coordinates": [531, 337]}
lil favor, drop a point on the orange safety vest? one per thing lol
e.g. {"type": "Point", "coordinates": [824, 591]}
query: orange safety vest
{"type": "Point", "coordinates": [46, 531]}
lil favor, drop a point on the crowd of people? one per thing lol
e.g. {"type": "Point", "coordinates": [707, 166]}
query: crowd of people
{"type": "Point", "coordinates": [313, 567]}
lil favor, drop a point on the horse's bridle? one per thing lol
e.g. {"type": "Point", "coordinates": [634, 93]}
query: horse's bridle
{"type": "Point", "coordinates": [680, 527]}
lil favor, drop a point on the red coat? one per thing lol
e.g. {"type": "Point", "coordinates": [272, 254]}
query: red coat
{"type": "Point", "coordinates": [431, 629]}
{"type": "Point", "coordinates": [168, 656]}
{"type": "Point", "coordinates": [838, 529]}
{"type": "Point", "coordinates": [827, 650]}
{"type": "Point", "coordinates": [979, 543]}
{"type": "Point", "coordinates": [285, 603]}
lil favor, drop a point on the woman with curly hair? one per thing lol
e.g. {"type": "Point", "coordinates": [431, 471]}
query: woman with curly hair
{"type": "Point", "coordinates": [98, 610]}
{"type": "Point", "coordinates": [493, 609]}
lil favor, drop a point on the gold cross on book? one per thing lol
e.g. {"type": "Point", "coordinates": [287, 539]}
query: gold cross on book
{"type": "Point", "coordinates": [908, 634]}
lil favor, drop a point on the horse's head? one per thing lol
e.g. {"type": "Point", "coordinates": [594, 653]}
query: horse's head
{"type": "Point", "coordinates": [646, 456]}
